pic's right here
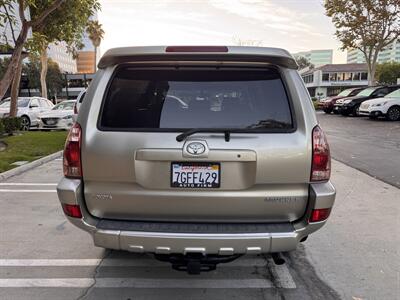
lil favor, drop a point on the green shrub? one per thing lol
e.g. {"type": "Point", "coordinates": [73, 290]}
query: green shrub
{"type": "Point", "coordinates": [10, 124]}
{"type": "Point", "coordinates": [2, 130]}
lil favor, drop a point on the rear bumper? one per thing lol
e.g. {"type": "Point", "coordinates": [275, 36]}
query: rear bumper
{"type": "Point", "coordinates": [222, 239]}
{"type": "Point", "coordinates": [325, 105]}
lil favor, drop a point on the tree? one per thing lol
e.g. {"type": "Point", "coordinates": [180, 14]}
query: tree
{"type": "Point", "coordinates": [388, 73]}
{"type": "Point", "coordinates": [3, 65]}
{"type": "Point", "coordinates": [366, 25]}
{"type": "Point", "coordinates": [303, 62]}
{"type": "Point", "coordinates": [26, 25]}
{"type": "Point", "coordinates": [96, 33]}
{"type": "Point", "coordinates": [54, 78]}
{"type": "Point", "coordinates": [65, 25]}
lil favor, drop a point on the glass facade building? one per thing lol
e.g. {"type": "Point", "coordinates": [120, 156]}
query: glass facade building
{"type": "Point", "coordinates": [390, 53]}
{"type": "Point", "coordinates": [317, 57]}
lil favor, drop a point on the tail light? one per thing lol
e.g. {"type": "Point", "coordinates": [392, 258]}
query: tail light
{"type": "Point", "coordinates": [318, 215]}
{"type": "Point", "coordinates": [72, 210]}
{"type": "Point", "coordinates": [321, 157]}
{"type": "Point", "coordinates": [72, 153]}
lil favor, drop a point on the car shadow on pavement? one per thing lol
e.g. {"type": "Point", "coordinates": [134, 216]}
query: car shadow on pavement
{"type": "Point", "coordinates": [124, 275]}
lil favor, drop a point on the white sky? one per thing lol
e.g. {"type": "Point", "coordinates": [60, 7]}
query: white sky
{"type": "Point", "coordinates": [295, 25]}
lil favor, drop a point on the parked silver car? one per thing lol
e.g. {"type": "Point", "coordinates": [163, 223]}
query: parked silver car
{"type": "Point", "coordinates": [59, 117]}
{"type": "Point", "coordinates": [29, 109]}
{"type": "Point", "coordinates": [237, 165]}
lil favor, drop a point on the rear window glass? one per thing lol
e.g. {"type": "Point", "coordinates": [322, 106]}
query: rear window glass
{"type": "Point", "coordinates": [196, 98]}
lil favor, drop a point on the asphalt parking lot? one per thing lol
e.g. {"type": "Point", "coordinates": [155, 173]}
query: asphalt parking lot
{"type": "Point", "coordinates": [354, 256]}
{"type": "Point", "coordinates": [372, 146]}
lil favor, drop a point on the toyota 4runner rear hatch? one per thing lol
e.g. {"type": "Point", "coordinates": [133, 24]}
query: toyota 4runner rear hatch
{"type": "Point", "coordinates": [186, 140]}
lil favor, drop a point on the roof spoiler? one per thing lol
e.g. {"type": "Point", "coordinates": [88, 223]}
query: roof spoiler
{"type": "Point", "coordinates": [273, 56]}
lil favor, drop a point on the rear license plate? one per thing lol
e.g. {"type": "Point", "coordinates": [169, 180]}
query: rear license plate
{"type": "Point", "coordinates": [195, 175]}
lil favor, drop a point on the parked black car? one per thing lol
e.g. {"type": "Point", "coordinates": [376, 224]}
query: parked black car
{"type": "Point", "coordinates": [351, 105]}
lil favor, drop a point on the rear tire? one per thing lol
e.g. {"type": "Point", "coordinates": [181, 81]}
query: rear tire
{"type": "Point", "coordinates": [25, 123]}
{"type": "Point", "coordinates": [393, 113]}
{"type": "Point", "coordinates": [328, 111]}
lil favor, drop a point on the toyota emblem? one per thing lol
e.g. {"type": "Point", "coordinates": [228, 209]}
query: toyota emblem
{"type": "Point", "coordinates": [195, 148]}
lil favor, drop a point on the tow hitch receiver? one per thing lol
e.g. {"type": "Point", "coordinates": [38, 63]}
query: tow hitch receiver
{"type": "Point", "coordinates": [194, 263]}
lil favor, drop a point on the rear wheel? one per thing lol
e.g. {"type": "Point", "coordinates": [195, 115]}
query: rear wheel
{"type": "Point", "coordinates": [328, 111]}
{"type": "Point", "coordinates": [25, 123]}
{"type": "Point", "coordinates": [393, 113]}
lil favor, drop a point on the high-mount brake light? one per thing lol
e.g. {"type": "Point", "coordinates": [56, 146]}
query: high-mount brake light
{"type": "Point", "coordinates": [72, 153]}
{"type": "Point", "coordinates": [196, 49]}
{"type": "Point", "coordinates": [321, 158]}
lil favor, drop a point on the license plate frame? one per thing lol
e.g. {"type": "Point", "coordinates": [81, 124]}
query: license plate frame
{"type": "Point", "coordinates": [198, 185]}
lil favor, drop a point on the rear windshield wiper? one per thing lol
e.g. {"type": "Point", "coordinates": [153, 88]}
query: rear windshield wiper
{"type": "Point", "coordinates": [226, 131]}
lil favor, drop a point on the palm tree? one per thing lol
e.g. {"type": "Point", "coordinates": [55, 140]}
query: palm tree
{"type": "Point", "coordinates": [96, 34]}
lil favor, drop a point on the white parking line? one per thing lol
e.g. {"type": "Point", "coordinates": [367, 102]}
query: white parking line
{"type": "Point", "coordinates": [27, 191]}
{"type": "Point", "coordinates": [114, 262]}
{"type": "Point", "coordinates": [50, 262]}
{"type": "Point", "coordinates": [136, 283]}
{"type": "Point", "coordinates": [26, 184]}
{"type": "Point", "coordinates": [281, 274]}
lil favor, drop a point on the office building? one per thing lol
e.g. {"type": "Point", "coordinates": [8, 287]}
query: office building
{"type": "Point", "coordinates": [317, 57]}
{"type": "Point", "coordinates": [331, 79]}
{"type": "Point", "coordinates": [388, 54]}
{"type": "Point", "coordinates": [85, 62]}
{"type": "Point", "coordinates": [64, 59]}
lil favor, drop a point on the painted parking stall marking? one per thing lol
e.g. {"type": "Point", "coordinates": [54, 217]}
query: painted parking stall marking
{"type": "Point", "coordinates": [26, 184]}
{"type": "Point", "coordinates": [27, 187]}
{"type": "Point", "coordinates": [136, 283]}
{"type": "Point", "coordinates": [26, 191]}
{"type": "Point", "coordinates": [152, 279]}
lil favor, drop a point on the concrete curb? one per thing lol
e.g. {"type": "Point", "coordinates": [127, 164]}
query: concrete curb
{"type": "Point", "coordinates": [28, 166]}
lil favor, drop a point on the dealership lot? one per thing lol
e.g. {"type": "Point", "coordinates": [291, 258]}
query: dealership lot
{"type": "Point", "coordinates": [42, 256]}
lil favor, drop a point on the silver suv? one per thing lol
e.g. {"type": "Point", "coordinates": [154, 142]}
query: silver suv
{"type": "Point", "coordinates": [197, 154]}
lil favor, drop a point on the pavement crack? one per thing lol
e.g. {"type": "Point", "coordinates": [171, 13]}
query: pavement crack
{"type": "Point", "coordinates": [96, 272]}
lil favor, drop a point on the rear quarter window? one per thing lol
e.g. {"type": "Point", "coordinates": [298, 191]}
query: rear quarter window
{"type": "Point", "coordinates": [184, 98]}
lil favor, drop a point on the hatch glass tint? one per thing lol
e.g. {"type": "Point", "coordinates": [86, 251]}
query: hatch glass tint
{"type": "Point", "coordinates": [185, 98]}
